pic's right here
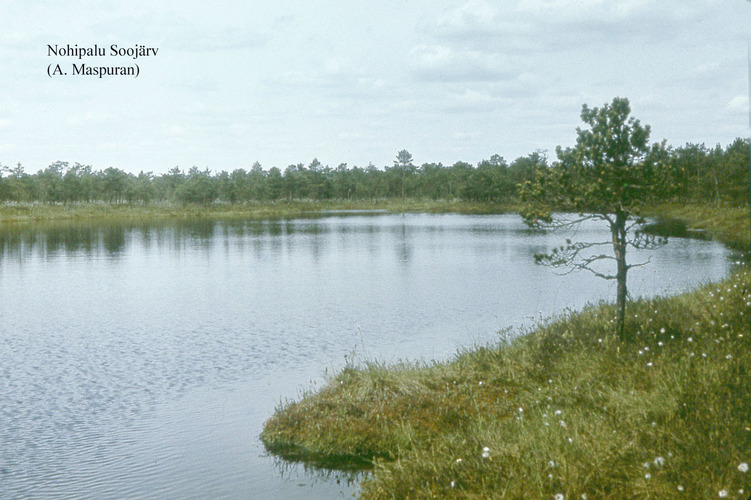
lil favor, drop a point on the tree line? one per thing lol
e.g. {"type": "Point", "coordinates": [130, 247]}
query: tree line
{"type": "Point", "coordinates": [690, 173]}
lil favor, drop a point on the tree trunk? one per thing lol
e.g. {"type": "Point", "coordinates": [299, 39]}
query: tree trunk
{"type": "Point", "coordinates": [618, 230]}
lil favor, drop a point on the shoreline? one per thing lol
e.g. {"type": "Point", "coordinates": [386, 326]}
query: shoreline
{"type": "Point", "coordinates": [32, 212]}
{"type": "Point", "coordinates": [538, 416]}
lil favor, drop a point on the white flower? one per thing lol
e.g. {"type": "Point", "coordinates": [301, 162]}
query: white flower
{"type": "Point", "coordinates": [723, 493]}
{"type": "Point", "coordinates": [662, 330]}
{"type": "Point", "coordinates": [743, 467]}
{"type": "Point", "coordinates": [647, 475]}
{"type": "Point", "coordinates": [551, 464]}
{"type": "Point", "coordinates": [680, 488]}
{"type": "Point", "coordinates": [659, 461]}
{"type": "Point", "coordinates": [453, 483]}
{"type": "Point", "coordinates": [559, 496]}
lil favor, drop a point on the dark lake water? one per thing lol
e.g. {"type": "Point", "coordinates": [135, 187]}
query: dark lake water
{"type": "Point", "coordinates": [141, 360]}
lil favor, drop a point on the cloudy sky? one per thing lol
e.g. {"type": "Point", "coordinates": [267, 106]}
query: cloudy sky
{"type": "Point", "coordinates": [355, 81]}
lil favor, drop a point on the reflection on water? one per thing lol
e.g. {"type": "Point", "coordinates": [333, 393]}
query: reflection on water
{"type": "Point", "coordinates": [48, 240]}
{"type": "Point", "coordinates": [141, 359]}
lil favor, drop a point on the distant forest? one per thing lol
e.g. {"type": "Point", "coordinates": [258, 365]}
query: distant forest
{"type": "Point", "coordinates": [691, 173]}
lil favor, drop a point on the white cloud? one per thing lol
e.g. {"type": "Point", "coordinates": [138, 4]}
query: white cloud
{"type": "Point", "coordinates": [607, 13]}
{"type": "Point", "coordinates": [89, 118]}
{"type": "Point", "coordinates": [474, 101]}
{"type": "Point", "coordinates": [464, 136]}
{"type": "Point", "coordinates": [176, 130]}
{"type": "Point", "coordinates": [484, 27]}
{"type": "Point", "coordinates": [475, 15]}
{"type": "Point", "coordinates": [525, 26]}
{"type": "Point", "coordinates": [231, 38]}
{"type": "Point", "coordinates": [448, 64]}
{"type": "Point", "coordinates": [739, 103]}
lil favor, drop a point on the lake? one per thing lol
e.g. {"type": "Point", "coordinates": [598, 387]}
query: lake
{"type": "Point", "coordinates": [141, 360]}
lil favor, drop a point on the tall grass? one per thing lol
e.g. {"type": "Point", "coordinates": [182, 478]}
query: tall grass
{"type": "Point", "coordinates": [22, 212]}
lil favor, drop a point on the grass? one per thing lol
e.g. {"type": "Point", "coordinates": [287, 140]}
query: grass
{"type": "Point", "coordinates": [561, 411]}
{"type": "Point", "coordinates": [728, 224]}
{"type": "Point", "coordinates": [29, 212]}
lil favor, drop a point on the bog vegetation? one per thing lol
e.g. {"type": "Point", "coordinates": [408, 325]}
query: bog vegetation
{"type": "Point", "coordinates": [565, 411]}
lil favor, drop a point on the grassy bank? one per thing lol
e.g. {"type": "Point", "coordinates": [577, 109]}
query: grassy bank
{"type": "Point", "coordinates": [731, 225]}
{"type": "Point", "coordinates": [19, 213]}
{"type": "Point", "coordinates": [728, 224]}
{"type": "Point", "coordinates": [564, 410]}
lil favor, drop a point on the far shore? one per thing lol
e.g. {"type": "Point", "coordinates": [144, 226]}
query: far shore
{"type": "Point", "coordinates": [727, 224]}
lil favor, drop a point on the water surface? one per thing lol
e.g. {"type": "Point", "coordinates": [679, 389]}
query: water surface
{"type": "Point", "coordinates": [140, 360]}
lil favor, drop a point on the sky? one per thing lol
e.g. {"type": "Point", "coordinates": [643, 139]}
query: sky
{"type": "Point", "coordinates": [351, 81]}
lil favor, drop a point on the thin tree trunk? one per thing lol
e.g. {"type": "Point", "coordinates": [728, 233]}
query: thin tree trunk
{"type": "Point", "coordinates": [619, 247]}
